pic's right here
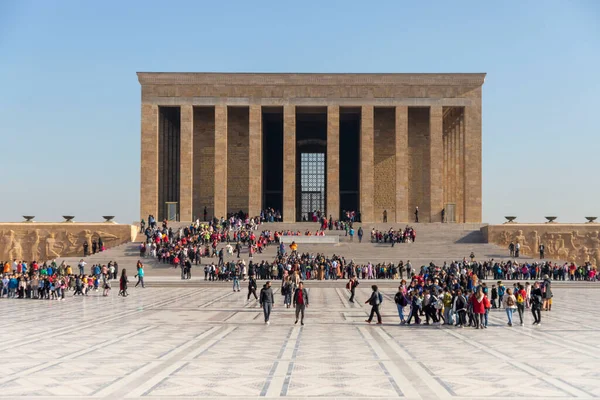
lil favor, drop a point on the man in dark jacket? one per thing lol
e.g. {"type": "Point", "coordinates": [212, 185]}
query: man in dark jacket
{"type": "Point", "coordinates": [266, 300]}
{"type": "Point", "coordinates": [252, 287]}
{"type": "Point", "coordinates": [300, 302]}
{"type": "Point", "coordinates": [374, 301]}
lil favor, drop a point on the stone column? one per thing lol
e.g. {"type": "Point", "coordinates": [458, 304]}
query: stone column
{"type": "Point", "coordinates": [460, 165]}
{"type": "Point", "coordinates": [289, 163]}
{"type": "Point", "coordinates": [472, 160]}
{"type": "Point", "coordinates": [367, 185]}
{"type": "Point", "coordinates": [255, 160]}
{"type": "Point", "coordinates": [435, 191]}
{"type": "Point", "coordinates": [186, 163]}
{"type": "Point", "coordinates": [445, 167]}
{"type": "Point", "coordinates": [149, 162]}
{"type": "Point", "coordinates": [220, 189]}
{"type": "Point", "coordinates": [402, 164]}
{"type": "Point", "coordinates": [451, 197]}
{"type": "Point", "coordinates": [333, 162]}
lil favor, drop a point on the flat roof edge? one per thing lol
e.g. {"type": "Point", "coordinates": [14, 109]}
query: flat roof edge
{"type": "Point", "coordinates": [252, 78]}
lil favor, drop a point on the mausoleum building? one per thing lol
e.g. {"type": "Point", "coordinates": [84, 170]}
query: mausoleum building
{"type": "Point", "coordinates": [302, 142]}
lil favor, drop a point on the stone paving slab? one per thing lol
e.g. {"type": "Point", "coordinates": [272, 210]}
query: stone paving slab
{"type": "Point", "coordinates": [210, 343]}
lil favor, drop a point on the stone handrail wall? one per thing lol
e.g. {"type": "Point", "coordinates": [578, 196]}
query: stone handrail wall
{"type": "Point", "coordinates": [41, 241]}
{"type": "Point", "coordinates": [578, 243]}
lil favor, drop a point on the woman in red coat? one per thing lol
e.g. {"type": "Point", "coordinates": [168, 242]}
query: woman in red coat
{"type": "Point", "coordinates": [478, 304]}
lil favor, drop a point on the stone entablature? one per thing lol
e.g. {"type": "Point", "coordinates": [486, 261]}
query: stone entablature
{"type": "Point", "coordinates": [265, 89]}
{"type": "Point", "coordinates": [44, 241]}
{"type": "Point", "coordinates": [577, 243]}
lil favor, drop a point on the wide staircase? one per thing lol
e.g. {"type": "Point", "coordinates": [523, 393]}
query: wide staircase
{"type": "Point", "coordinates": [435, 242]}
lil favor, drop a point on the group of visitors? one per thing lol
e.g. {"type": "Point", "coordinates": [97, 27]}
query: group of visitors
{"type": "Point", "coordinates": [393, 236]}
{"type": "Point", "coordinates": [51, 281]}
{"type": "Point", "coordinates": [294, 296]}
{"type": "Point", "coordinates": [449, 302]}
{"type": "Point", "coordinates": [187, 245]}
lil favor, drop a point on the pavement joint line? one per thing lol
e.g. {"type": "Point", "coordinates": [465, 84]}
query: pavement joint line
{"type": "Point", "coordinates": [165, 367]}
{"type": "Point", "coordinates": [566, 388]}
{"type": "Point", "coordinates": [439, 390]}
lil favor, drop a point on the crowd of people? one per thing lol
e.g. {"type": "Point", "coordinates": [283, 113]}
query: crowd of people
{"type": "Point", "coordinates": [187, 245]}
{"type": "Point", "coordinates": [50, 281]}
{"type": "Point", "coordinates": [448, 300]}
{"type": "Point", "coordinates": [392, 236]}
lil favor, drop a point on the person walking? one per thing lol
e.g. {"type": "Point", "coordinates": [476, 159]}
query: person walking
{"type": "Point", "coordinates": [140, 274]}
{"type": "Point", "coordinates": [286, 291]}
{"type": "Point", "coordinates": [521, 295]}
{"type": "Point", "coordinates": [510, 305]}
{"type": "Point", "coordinates": [267, 301]}
{"type": "Point", "coordinates": [375, 301]}
{"type": "Point", "coordinates": [252, 287]}
{"type": "Point", "coordinates": [300, 302]}
{"type": "Point", "coordinates": [236, 279]}
{"type": "Point", "coordinates": [536, 302]}
{"type": "Point", "coordinates": [351, 285]}
{"type": "Point", "coordinates": [417, 214]}
{"type": "Point", "coordinates": [123, 283]}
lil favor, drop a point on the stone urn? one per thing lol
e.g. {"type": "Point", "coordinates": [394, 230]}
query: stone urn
{"type": "Point", "coordinates": [591, 220]}
{"type": "Point", "coordinates": [108, 218]}
{"type": "Point", "coordinates": [28, 218]}
{"type": "Point", "coordinates": [68, 218]}
{"type": "Point", "coordinates": [550, 219]}
{"type": "Point", "coordinates": [510, 220]}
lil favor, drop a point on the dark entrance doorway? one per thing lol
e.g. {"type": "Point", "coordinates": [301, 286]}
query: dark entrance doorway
{"type": "Point", "coordinates": [349, 159]}
{"type": "Point", "coordinates": [311, 161]}
{"type": "Point", "coordinates": [312, 184]}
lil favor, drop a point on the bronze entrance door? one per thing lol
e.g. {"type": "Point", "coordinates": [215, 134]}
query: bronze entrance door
{"type": "Point", "coordinates": [312, 184]}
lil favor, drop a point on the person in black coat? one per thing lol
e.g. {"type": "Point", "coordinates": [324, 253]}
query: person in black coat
{"type": "Point", "coordinates": [374, 301]}
{"type": "Point", "coordinates": [252, 287]}
{"type": "Point", "coordinates": [536, 301]}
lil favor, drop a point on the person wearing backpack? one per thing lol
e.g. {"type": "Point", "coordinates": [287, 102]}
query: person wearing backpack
{"type": "Point", "coordinates": [401, 302]}
{"type": "Point", "coordinates": [375, 301]}
{"type": "Point", "coordinates": [521, 295]}
{"type": "Point", "coordinates": [510, 305]}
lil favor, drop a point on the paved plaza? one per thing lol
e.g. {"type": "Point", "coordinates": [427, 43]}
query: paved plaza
{"type": "Point", "coordinates": [209, 342]}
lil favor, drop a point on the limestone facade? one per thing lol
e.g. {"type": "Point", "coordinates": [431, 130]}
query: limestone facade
{"type": "Point", "coordinates": [419, 142]}
{"type": "Point", "coordinates": [40, 241]}
{"type": "Point", "coordinates": [578, 243]}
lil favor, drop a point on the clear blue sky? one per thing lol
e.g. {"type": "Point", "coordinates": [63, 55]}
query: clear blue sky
{"type": "Point", "coordinates": [70, 100]}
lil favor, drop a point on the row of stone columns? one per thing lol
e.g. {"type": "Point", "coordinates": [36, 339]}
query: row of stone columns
{"type": "Point", "coordinates": [449, 157]}
{"type": "Point", "coordinates": [453, 186]}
